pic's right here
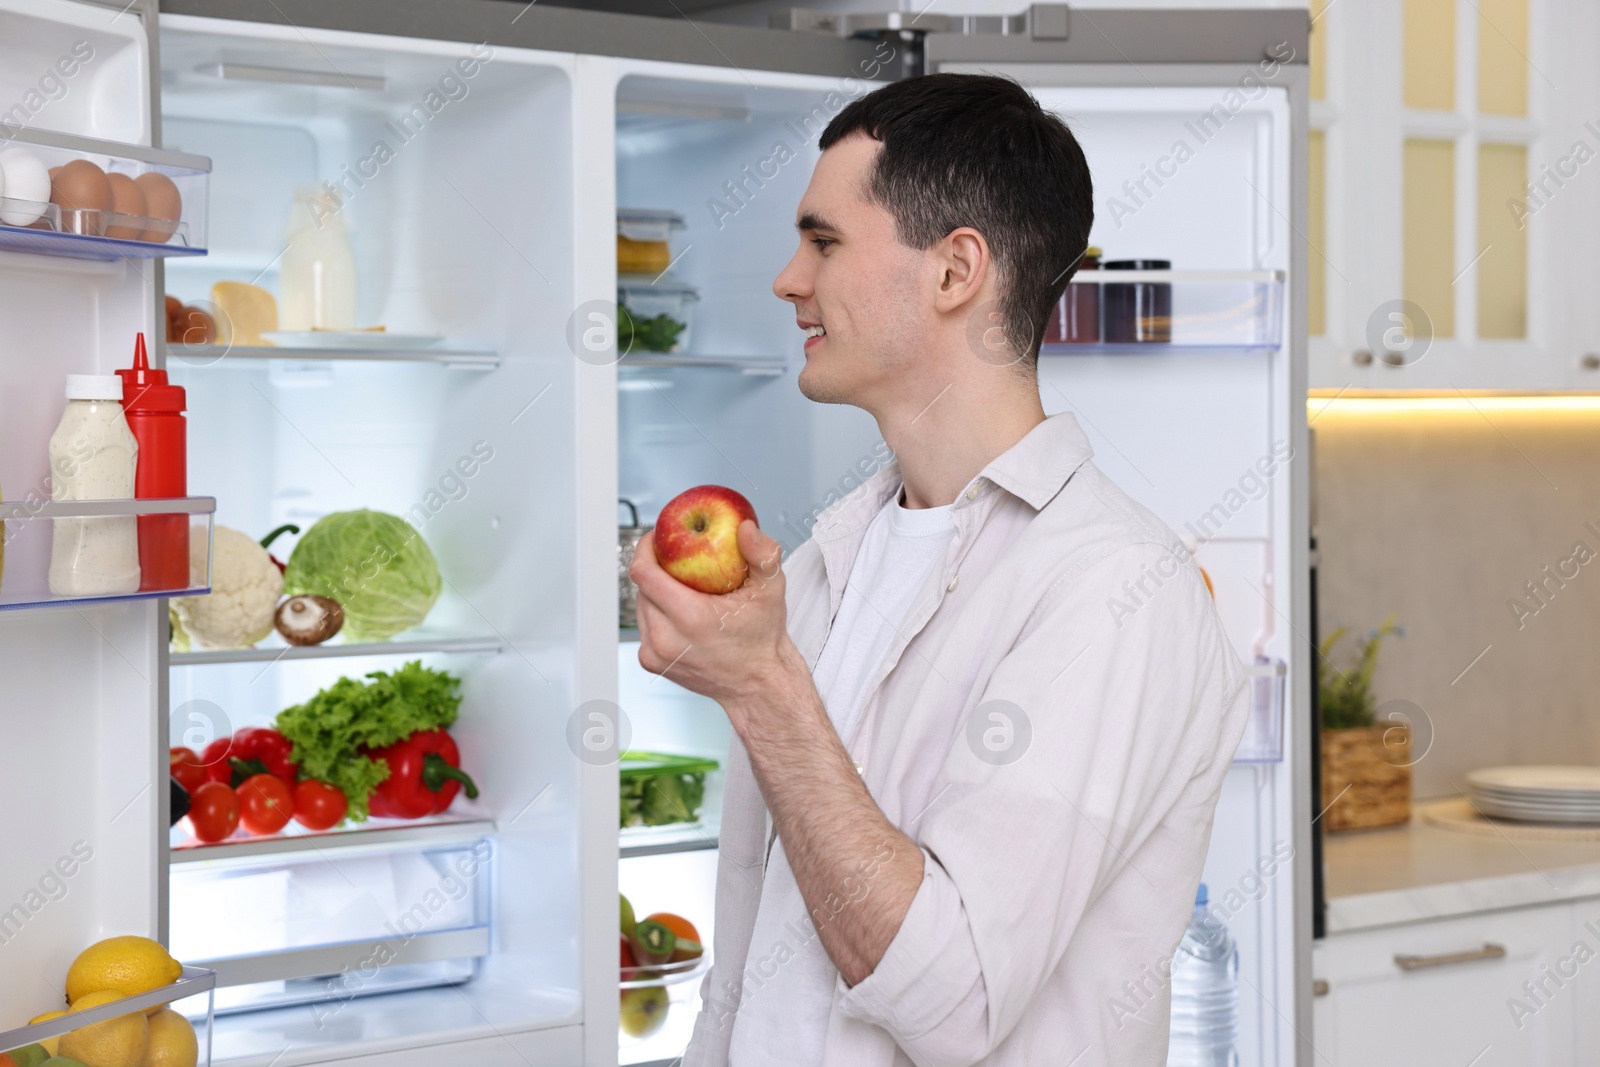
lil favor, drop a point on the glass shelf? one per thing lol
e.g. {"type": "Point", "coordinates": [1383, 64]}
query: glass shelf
{"type": "Point", "coordinates": [761, 366]}
{"type": "Point", "coordinates": [38, 227]}
{"type": "Point", "coordinates": [1156, 312]}
{"type": "Point", "coordinates": [452, 827]}
{"type": "Point", "coordinates": [39, 534]}
{"type": "Point", "coordinates": [185, 356]}
{"type": "Point", "coordinates": [418, 642]}
{"type": "Point", "coordinates": [699, 836]}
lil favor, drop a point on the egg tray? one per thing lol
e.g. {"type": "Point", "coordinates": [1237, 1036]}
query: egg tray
{"type": "Point", "coordinates": [54, 222]}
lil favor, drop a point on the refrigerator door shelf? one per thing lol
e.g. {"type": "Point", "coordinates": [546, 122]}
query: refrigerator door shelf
{"type": "Point", "coordinates": [36, 530]}
{"type": "Point", "coordinates": [1150, 312]}
{"type": "Point", "coordinates": [196, 986]}
{"type": "Point", "coordinates": [1263, 730]}
{"type": "Point", "coordinates": [90, 231]}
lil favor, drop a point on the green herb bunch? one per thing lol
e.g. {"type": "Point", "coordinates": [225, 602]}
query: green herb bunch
{"type": "Point", "coordinates": [1346, 697]}
{"type": "Point", "coordinates": [659, 334]}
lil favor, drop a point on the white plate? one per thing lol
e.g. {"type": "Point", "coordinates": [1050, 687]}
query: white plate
{"type": "Point", "coordinates": [1542, 780]}
{"type": "Point", "coordinates": [1523, 814]}
{"type": "Point", "coordinates": [351, 339]}
{"type": "Point", "coordinates": [1539, 798]}
{"type": "Point", "coordinates": [1535, 805]}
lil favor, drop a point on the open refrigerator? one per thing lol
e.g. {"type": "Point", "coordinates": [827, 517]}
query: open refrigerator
{"type": "Point", "coordinates": [483, 152]}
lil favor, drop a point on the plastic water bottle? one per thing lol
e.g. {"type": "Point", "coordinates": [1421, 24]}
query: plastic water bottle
{"type": "Point", "coordinates": [1205, 993]}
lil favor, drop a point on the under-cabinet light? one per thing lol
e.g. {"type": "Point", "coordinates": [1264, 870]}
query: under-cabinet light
{"type": "Point", "coordinates": [1454, 404]}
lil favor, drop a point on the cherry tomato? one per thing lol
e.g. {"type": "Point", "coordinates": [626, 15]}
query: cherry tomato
{"type": "Point", "coordinates": [266, 804]}
{"type": "Point", "coordinates": [318, 805]}
{"type": "Point", "coordinates": [187, 768]}
{"type": "Point", "coordinates": [213, 811]}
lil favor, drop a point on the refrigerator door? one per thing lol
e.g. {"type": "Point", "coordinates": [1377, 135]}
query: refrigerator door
{"type": "Point", "coordinates": [1194, 125]}
{"type": "Point", "coordinates": [85, 792]}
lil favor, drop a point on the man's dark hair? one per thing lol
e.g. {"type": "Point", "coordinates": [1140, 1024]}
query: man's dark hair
{"type": "Point", "coordinates": [977, 150]}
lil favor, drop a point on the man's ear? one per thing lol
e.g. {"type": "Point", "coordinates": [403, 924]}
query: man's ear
{"type": "Point", "coordinates": [963, 267]}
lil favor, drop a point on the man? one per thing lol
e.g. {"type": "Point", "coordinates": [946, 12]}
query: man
{"type": "Point", "coordinates": [965, 802]}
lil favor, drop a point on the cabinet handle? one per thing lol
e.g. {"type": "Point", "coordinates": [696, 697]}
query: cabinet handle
{"type": "Point", "coordinates": [1489, 951]}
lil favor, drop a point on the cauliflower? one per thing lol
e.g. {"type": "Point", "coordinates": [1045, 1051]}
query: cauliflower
{"type": "Point", "coordinates": [245, 587]}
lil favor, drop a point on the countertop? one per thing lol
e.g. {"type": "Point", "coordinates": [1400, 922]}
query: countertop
{"type": "Point", "coordinates": [1419, 871]}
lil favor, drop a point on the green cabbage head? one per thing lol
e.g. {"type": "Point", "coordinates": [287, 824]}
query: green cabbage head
{"type": "Point", "coordinates": [376, 566]}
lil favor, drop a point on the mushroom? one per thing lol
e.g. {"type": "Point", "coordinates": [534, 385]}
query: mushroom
{"type": "Point", "coordinates": [308, 620]}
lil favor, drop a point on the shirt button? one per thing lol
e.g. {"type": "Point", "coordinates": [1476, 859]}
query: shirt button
{"type": "Point", "coordinates": [951, 588]}
{"type": "Point", "coordinates": [972, 494]}
{"type": "Point", "coordinates": [859, 769]}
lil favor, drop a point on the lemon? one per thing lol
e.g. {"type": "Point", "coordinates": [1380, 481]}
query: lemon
{"type": "Point", "coordinates": [128, 965]}
{"type": "Point", "coordinates": [117, 1042]}
{"type": "Point", "coordinates": [50, 1044]}
{"type": "Point", "coordinates": [172, 1041]}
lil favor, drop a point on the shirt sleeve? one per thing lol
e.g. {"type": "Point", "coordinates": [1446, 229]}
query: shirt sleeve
{"type": "Point", "coordinates": [1090, 729]}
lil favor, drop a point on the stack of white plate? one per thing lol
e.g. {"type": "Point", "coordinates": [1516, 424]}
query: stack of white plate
{"type": "Point", "coordinates": [1538, 794]}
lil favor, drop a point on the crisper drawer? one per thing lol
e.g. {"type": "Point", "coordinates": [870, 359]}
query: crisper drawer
{"type": "Point", "coordinates": [335, 921]}
{"type": "Point", "coordinates": [1494, 990]}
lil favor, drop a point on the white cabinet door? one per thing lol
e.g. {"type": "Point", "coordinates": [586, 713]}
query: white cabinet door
{"type": "Point", "coordinates": [1458, 999]}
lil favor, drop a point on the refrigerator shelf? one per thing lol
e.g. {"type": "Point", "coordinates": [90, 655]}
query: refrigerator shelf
{"type": "Point", "coordinates": [34, 530]}
{"type": "Point", "coordinates": [758, 366]}
{"type": "Point", "coordinates": [374, 834]}
{"type": "Point", "coordinates": [193, 982]}
{"type": "Point", "coordinates": [185, 356]}
{"type": "Point", "coordinates": [418, 642]}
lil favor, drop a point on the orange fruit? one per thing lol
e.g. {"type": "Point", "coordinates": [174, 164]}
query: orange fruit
{"type": "Point", "coordinates": [682, 928]}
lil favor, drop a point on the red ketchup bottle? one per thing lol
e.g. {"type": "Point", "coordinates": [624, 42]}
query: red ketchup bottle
{"type": "Point", "coordinates": [154, 409]}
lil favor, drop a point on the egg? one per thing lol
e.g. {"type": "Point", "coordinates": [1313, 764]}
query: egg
{"type": "Point", "coordinates": [27, 186]}
{"type": "Point", "coordinates": [161, 201]}
{"type": "Point", "coordinates": [126, 199]}
{"type": "Point", "coordinates": [83, 191]}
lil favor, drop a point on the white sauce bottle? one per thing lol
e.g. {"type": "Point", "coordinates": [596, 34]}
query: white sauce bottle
{"type": "Point", "coordinates": [92, 457]}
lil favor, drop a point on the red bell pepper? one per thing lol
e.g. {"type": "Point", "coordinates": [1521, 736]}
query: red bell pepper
{"type": "Point", "coordinates": [424, 776]}
{"type": "Point", "coordinates": [250, 751]}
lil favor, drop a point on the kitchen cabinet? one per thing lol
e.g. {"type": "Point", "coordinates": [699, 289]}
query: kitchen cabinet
{"type": "Point", "coordinates": [1445, 992]}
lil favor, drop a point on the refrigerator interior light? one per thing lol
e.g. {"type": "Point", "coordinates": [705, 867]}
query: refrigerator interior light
{"type": "Point", "coordinates": [291, 76]}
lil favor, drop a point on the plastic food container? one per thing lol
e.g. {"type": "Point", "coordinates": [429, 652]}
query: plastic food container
{"type": "Point", "coordinates": [658, 314]}
{"type": "Point", "coordinates": [642, 236]}
{"type": "Point", "coordinates": [658, 789]}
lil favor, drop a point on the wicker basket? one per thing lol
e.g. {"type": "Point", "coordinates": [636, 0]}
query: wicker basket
{"type": "Point", "coordinates": [1366, 777]}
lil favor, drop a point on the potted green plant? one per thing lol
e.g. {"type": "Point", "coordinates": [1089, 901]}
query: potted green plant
{"type": "Point", "coordinates": [1366, 766]}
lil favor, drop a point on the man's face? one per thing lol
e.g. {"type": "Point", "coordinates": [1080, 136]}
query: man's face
{"type": "Point", "coordinates": [853, 278]}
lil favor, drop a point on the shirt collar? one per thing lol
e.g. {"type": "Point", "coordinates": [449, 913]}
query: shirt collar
{"type": "Point", "coordinates": [1033, 470]}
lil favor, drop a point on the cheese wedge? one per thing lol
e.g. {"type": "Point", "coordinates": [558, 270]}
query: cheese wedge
{"type": "Point", "coordinates": [245, 312]}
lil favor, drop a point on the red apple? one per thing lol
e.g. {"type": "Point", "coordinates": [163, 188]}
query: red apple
{"type": "Point", "coordinates": [697, 538]}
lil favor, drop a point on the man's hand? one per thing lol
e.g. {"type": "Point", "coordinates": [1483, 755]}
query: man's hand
{"type": "Point", "coordinates": [725, 647]}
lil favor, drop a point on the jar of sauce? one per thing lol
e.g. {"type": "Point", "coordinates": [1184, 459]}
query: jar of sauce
{"type": "Point", "coordinates": [1075, 320]}
{"type": "Point", "coordinates": [1138, 312]}
{"type": "Point", "coordinates": [93, 456]}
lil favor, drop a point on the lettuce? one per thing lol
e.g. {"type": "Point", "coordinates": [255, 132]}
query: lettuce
{"type": "Point", "coordinates": [333, 731]}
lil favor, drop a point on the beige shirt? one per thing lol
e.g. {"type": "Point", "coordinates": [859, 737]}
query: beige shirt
{"type": "Point", "coordinates": [1051, 728]}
